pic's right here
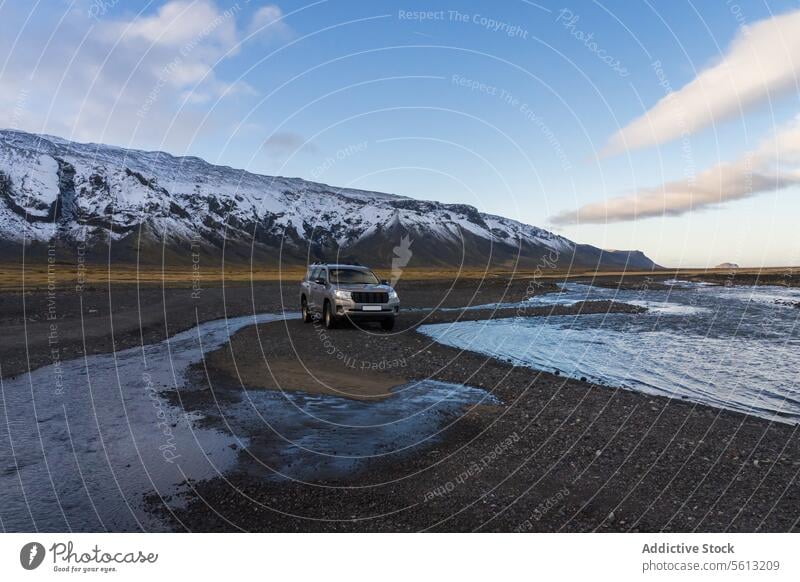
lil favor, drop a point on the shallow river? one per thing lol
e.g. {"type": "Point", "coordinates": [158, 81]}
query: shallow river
{"type": "Point", "coordinates": [83, 443]}
{"type": "Point", "coordinates": [730, 347]}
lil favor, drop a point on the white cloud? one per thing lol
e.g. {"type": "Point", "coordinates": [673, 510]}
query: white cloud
{"type": "Point", "coordinates": [178, 23]}
{"type": "Point", "coordinates": [142, 80]}
{"type": "Point", "coordinates": [761, 63]}
{"type": "Point", "coordinates": [772, 166]}
{"type": "Point", "coordinates": [268, 21]}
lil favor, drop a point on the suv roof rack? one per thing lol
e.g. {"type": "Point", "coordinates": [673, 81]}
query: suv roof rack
{"type": "Point", "coordinates": [351, 263]}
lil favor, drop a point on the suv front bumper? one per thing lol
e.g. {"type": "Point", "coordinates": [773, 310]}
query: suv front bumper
{"type": "Point", "coordinates": [355, 310]}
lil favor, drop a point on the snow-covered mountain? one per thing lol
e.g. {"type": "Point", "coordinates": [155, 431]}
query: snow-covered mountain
{"type": "Point", "coordinates": [132, 203]}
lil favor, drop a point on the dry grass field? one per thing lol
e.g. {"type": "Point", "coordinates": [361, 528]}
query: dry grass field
{"type": "Point", "coordinates": [40, 275]}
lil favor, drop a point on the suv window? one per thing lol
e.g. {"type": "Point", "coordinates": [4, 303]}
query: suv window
{"type": "Point", "coordinates": [354, 276]}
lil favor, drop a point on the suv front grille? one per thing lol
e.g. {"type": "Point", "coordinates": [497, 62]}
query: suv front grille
{"type": "Point", "coordinates": [364, 297]}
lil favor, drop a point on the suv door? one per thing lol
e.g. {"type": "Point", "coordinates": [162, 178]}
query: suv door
{"type": "Point", "coordinates": [305, 285]}
{"type": "Point", "coordinates": [311, 286]}
{"type": "Point", "coordinates": [317, 290]}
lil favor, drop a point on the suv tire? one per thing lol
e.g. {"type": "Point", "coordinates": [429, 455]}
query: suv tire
{"type": "Point", "coordinates": [304, 312]}
{"type": "Point", "coordinates": [328, 317]}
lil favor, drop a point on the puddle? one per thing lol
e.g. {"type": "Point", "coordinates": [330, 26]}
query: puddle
{"type": "Point", "coordinates": [311, 437]}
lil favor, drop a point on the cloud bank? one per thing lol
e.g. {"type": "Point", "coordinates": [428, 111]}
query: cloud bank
{"type": "Point", "coordinates": [774, 165]}
{"type": "Point", "coordinates": [142, 80]}
{"type": "Point", "coordinates": [761, 63]}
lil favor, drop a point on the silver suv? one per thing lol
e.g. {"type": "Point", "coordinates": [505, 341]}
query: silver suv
{"type": "Point", "coordinates": [339, 291]}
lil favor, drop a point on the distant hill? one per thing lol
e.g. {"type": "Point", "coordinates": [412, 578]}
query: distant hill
{"type": "Point", "coordinates": [151, 206]}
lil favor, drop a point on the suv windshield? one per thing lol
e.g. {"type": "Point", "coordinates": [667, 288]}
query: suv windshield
{"type": "Point", "coordinates": [352, 276]}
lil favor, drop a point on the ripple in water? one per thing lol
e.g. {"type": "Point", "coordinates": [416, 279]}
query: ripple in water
{"type": "Point", "coordinates": [311, 437]}
{"type": "Point", "coordinates": [733, 348]}
{"type": "Point", "coordinates": [82, 444]}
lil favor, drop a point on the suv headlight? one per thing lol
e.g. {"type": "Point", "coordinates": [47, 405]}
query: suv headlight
{"type": "Point", "coordinates": [346, 295]}
{"type": "Point", "coordinates": [393, 294]}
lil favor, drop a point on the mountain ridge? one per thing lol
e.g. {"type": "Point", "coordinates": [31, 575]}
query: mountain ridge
{"type": "Point", "coordinates": [153, 206]}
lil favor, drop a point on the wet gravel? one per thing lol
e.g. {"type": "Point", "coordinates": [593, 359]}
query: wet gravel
{"type": "Point", "coordinates": [41, 326]}
{"type": "Point", "coordinates": [559, 455]}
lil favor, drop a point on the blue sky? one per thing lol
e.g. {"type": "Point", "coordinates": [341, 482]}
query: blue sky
{"type": "Point", "coordinates": [544, 112]}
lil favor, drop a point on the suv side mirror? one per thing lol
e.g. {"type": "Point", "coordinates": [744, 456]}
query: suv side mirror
{"type": "Point", "coordinates": [384, 282]}
{"type": "Point", "coordinates": [320, 281]}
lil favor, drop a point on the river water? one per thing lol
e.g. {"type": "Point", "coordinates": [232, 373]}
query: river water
{"type": "Point", "coordinates": [83, 443]}
{"type": "Point", "coordinates": [313, 437]}
{"type": "Point", "coordinates": [736, 348]}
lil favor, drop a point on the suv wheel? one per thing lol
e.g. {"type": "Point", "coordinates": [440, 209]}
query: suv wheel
{"type": "Point", "coordinates": [328, 317]}
{"type": "Point", "coordinates": [304, 312]}
{"type": "Point", "coordinates": [388, 323]}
